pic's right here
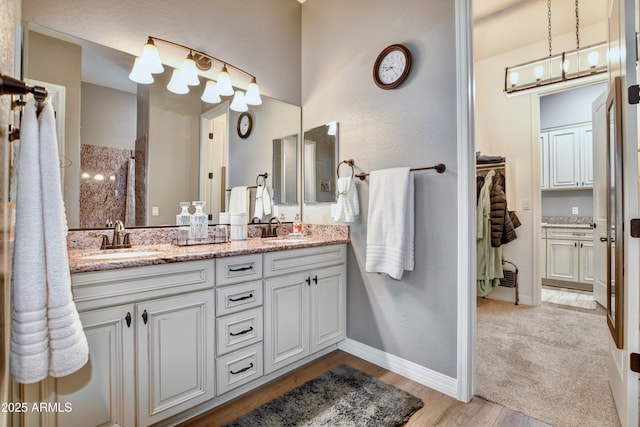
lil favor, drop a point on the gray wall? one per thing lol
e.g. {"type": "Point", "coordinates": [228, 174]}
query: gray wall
{"type": "Point", "coordinates": [569, 107]}
{"type": "Point", "coordinates": [412, 125]}
{"type": "Point", "coordinates": [108, 117]}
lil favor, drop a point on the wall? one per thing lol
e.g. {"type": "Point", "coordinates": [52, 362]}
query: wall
{"type": "Point", "coordinates": [108, 117]}
{"type": "Point", "coordinates": [9, 17]}
{"type": "Point", "coordinates": [261, 37]}
{"type": "Point", "coordinates": [413, 125]}
{"type": "Point", "coordinates": [509, 126]}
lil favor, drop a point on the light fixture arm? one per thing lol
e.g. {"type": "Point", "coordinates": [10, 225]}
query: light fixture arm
{"type": "Point", "coordinates": [202, 60]}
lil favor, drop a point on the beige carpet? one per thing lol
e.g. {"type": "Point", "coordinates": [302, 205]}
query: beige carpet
{"type": "Point", "coordinates": [546, 362]}
{"type": "Point", "coordinates": [573, 299]}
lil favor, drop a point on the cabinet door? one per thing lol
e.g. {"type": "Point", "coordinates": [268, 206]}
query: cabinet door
{"type": "Point", "coordinates": [101, 392]}
{"type": "Point", "coordinates": [586, 156]}
{"type": "Point", "coordinates": [564, 158]}
{"type": "Point", "coordinates": [328, 307]}
{"type": "Point", "coordinates": [586, 262]}
{"type": "Point", "coordinates": [286, 332]}
{"type": "Point", "coordinates": [562, 260]}
{"type": "Point", "coordinates": [175, 354]}
{"type": "Point", "coordinates": [544, 160]}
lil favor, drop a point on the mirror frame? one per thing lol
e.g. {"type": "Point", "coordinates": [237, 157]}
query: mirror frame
{"type": "Point", "coordinates": [615, 279]}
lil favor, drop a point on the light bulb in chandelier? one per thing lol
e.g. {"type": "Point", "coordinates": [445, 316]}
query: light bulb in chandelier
{"type": "Point", "coordinates": [139, 75]}
{"type": "Point", "coordinates": [238, 103]}
{"type": "Point", "coordinates": [224, 86]}
{"type": "Point", "coordinates": [189, 71]}
{"type": "Point", "coordinates": [177, 83]}
{"type": "Point", "coordinates": [538, 71]}
{"type": "Point", "coordinates": [150, 58]}
{"type": "Point", "coordinates": [513, 78]}
{"type": "Point", "coordinates": [210, 95]}
{"type": "Point", "coordinates": [252, 97]}
{"type": "Point", "coordinates": [593, 59]}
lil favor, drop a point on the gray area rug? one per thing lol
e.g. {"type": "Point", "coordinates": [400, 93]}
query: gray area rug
{"type": "Point", "coordinates": [547, 362]}
{"type": "Point", "coordinates": [573, 299]}
{"type": "Point", "coordinates": [343, 396]}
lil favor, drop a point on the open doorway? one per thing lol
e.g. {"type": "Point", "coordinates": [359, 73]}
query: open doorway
{"type": "Point", "coordinates": [214, 130]}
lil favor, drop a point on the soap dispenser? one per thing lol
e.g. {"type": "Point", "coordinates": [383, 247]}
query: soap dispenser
{"type": "Point", "coordinates": [297, 225]}
{"type": "Point", "coordinates": [184, 217]}
{"type": "Point", "coordinates": [199, 222]}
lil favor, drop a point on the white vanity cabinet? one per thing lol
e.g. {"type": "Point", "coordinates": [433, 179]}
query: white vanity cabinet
{"type": "Point", "coordinates": [570, 254]}
{"type": "Point", "coordinates": [305, 303]}
{"type": "Point", "coordinates": [157, 371]}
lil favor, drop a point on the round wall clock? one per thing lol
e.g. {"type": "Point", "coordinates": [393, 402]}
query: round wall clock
{"type": "Point", "coordinates": [245, 125]}
{"type": "Point", "coordinates": [392, 66]}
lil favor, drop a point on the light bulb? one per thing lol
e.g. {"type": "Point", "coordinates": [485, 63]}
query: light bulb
{"type": "Point", "coordinates": [538, 71]}
{"type": "Point", "coordinates": [513, 78]}
{"type": "Point", "coordinates": [224, 86]}
{"type": "Point", "coordinates": [239, 104]}
{"type": "Point", "coordinates": [333, 128]}
{"type": "Point", "coordinates": [139, 75]}
{"type": "Point", "coordinates": [210, 95]}
{"type": "Point", "coordinates": [252, 97]}
{"type": "Point", "coordinates": [565, 65]}
{"type": "Point", "coordinates": [150, 58]}
{"type": "Point", "coordinates": [593, 59]}
{"type": "Point", "coordinates": [189, 71]}
{"type": "Point", "coordinates": [177, 83]}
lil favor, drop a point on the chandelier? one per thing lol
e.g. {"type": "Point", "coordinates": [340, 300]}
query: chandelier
{"type": "Point", "coordinates": [149, 63]}
{"type": "Point", "coordinates": [566, 66]}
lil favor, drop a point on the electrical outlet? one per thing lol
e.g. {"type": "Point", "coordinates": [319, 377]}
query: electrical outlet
{"type": "Point", "coordinates": [574, 210]}
{"type": "Point", "coordinates": [155, 211]}
{"type": "Point", "coordinates": [526, 205]}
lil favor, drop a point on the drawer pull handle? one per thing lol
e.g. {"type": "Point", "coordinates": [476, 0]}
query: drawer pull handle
{"type": "Point", "coordinates": [604, 239]}
{"type": "Point", "coordinates": [145, 316]}
{"type": "Point", "coordinates": [308, 280]}
{"type": "Point", "coordinates": [235, 270]}
{"type": "Point", "coordinates": [315, 279]}
{"type": "Point", "coordinates": [243, 369]}
{"type": "Point", "coordinates": [246, 331]}
{"type": "Point", "coordinates": [578, 234]}
{"type": "Point", "coordinates": [127, 318]}
{"type": "Point", "coordinates": [241, 298]}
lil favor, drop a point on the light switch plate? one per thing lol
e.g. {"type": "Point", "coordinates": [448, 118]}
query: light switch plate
{"type": "Point", "coordinates": [574, 210]}
{"type": "Point", "coordinates": [155, 211]}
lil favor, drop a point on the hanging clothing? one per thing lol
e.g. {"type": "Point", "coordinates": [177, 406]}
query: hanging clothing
{"type": "Point", "coordinates": [488, 258]}
{"type": "Point", "coordinates": [503, 222]}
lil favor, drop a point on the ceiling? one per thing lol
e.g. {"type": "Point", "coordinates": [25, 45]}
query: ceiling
{"type": "Point", "coordinates": [503, 25]}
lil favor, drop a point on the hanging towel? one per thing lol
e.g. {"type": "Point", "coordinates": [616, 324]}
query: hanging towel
{"type": "Point", "coordinates": [263, 202]}
{"type": "Point", "coordinates": [130, 201]}
{"type": "Point", "coordinates": [347, 207]}
{"type": "Point", "coordinates": [390, 223]}
{"type": "Point", "coordinates": [47, 335]}
{"type": "Point", "coordinates": [239, 200]}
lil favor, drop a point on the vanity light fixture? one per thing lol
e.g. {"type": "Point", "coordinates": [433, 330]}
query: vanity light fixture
{"type": "Point", "coordinates": [583, 62]}
{"type": "Point", "coordinates": [149, 63]}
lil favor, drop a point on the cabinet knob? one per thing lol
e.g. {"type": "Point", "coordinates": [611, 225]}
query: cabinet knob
{"type": "Point", "coordinates": [145, 317]}
{"type": "Point", "coordinates": [308, 280]}
{"type": "Point", "coordinates": [315, 279]}
{"type": "Point", "coordinates": [127, 318]}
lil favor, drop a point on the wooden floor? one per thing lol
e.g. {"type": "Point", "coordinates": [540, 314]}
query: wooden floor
{"type": "Point", "coordinates": [438, 409]}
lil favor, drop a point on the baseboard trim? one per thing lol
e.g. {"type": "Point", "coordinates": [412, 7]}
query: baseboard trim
{"type": "Point", "coordinates": [411, 370]}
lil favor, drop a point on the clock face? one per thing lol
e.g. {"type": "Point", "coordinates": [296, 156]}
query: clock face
{"type": "Point", "coordinates": [392, 66]}
{"type": "Point", "coordinates": [244, 125]}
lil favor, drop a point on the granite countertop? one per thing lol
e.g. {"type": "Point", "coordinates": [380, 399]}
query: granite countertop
{"type": "Point", "coordinates": [168, 253]}
{"type": "Point", "coordinates": [567, 221]}
{"type": "Point", "coordinates": [553, 225]}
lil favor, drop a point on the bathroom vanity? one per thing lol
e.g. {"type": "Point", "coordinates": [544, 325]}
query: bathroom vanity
{"type": "Point", "coordinates": [176, 331]}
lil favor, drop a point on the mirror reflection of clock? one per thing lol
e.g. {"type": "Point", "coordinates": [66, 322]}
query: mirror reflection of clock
{"type": "Point", "coordinates": [245, 124]}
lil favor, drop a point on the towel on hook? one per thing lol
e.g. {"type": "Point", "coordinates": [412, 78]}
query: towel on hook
{"type": "Point", "coordinates": [263, 202]}
{"type": "Point", "coordinates": [239, 200]}
{"type": "Point", "coordinates": [47, 336]}
{"type": "Point", "coordinates": [347, 207]}
{"type": "Point", "coordinates": [390, 222]}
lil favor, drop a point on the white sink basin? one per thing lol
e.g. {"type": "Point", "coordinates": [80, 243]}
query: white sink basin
{"type": "Point", "coordinates": [120, 255]}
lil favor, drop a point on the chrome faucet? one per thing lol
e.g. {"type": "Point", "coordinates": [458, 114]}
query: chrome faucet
{"type": "Point", "coordinates": [116, 242]}
{"type": "Point", "coordinates": [273, 229]}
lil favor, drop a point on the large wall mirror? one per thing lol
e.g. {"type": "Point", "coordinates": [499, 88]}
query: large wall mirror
{"type": "Point", "coordinates": [177, 147]}
{"type": "Point", "coordinates": [320, 162]}
{"type": "Point", "coordinates": [615, 235]}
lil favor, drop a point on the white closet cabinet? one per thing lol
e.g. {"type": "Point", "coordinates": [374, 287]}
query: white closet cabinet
{"type": "Point", "coordinates": [570, 255]}
{"type": "Point", "coordinates": [570, 157]}
{"type": "Point", "coordinates": [156, 372]}
{"type": "Point", "coordinates": [305, 303]}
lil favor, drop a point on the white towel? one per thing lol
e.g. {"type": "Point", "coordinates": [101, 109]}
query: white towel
{"type": "Point", "coordinates": [130, 201]}
{"type": "Point", "coordinates": [347, 207]}
{"type": "Point", "coordinates": [47, 336]}
{"type": "Point", "coordinates": [390, 223]}
{"type": "Point", "coordinates": [239, 200]}
{"type": "Point", "coordinates": [263, 202]}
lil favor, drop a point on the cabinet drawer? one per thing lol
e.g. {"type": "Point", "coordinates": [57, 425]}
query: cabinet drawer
{"type": "Point", "coordinates": [238, 269]}
{"type": "Point", "coordinates": [570, 233]}
{"type": "Point", "coordinates": [239, 330]}
{"type": "Point", "coordinates": [230, 299]}
{"type": "Point", "coordinates": [236, 369]}
{"type": "Point", "coordinates": [305, 259]}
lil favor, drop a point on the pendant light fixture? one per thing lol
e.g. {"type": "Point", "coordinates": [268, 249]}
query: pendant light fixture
{"type": "Point", "coordinates": [583, 62]}
{"type": "Point", "coordinates": [149, 63]}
